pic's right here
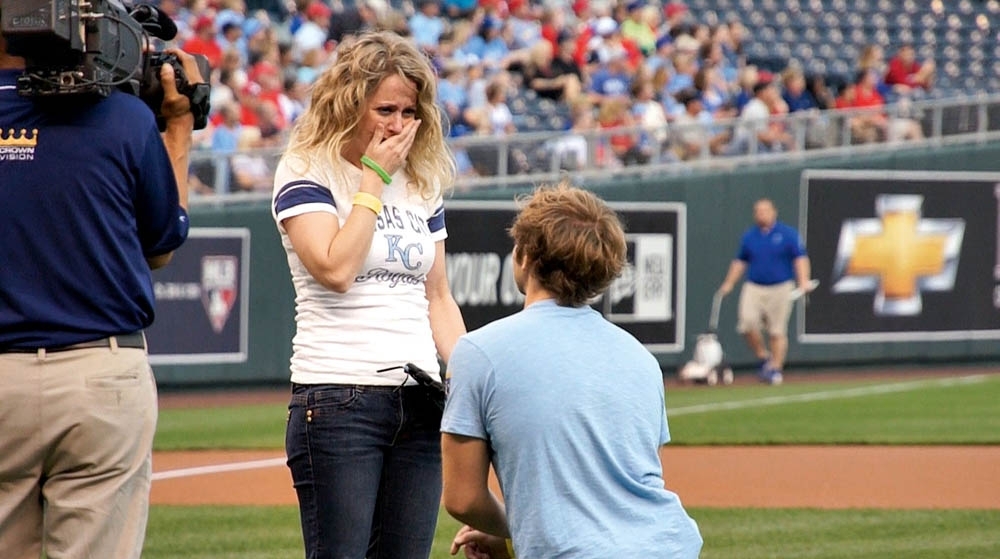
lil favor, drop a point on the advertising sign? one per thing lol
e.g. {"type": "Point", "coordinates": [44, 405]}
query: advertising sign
{"type": "Point", "coordinates": [647, 300]}
{"type": "Point", "coordinates": [201, 300]}
{"type": "Point", "coordinates": [901, 256]}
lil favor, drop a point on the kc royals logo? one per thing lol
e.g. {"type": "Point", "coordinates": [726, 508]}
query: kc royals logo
{"type": "Point", "coordinates": [218, 288]}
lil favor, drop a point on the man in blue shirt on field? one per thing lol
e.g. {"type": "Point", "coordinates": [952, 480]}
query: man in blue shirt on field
{"type": "Point", "coordinates": [775, 259]}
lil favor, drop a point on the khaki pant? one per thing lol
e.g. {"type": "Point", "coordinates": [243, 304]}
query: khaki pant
{"type": "Point", "coordinates": [765, 307]}
{"type": "Point", "coordinates": [76, 436]}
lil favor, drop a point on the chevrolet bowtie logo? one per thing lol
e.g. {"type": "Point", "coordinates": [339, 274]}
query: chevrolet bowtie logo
{"type": "Point", "coordinates": [898, 255]}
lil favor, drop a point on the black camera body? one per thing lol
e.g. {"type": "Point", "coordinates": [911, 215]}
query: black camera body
{"type": "Point", "coordinates": [151, 89]}
{"type": "Point", "coordinates": [92, 47]}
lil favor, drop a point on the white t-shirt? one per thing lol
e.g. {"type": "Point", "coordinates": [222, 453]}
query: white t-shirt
{"type": "Point", "coordinates": [755, 115]}
{"type": "Point", "coordinates": [308, 37]}
{"type": "Point", "coordinates": [500, 118]}
{"type": "Point", "coordinates": [382, 321]}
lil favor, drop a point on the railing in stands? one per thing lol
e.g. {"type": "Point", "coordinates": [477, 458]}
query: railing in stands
{"type": "Point", "coordinates": [491, 162]}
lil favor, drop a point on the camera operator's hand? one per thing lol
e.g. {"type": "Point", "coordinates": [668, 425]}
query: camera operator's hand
{"type": "Point", "coordinates": [180, 121]}
{"type": "Point", "coordinates": [175, 104]}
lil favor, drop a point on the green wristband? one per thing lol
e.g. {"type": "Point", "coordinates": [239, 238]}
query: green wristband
{"type": "Point", "coordinates": [370, 163]}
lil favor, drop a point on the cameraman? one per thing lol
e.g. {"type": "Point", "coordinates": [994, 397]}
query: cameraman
{"type": "Point", "coordinates": [91, 199]}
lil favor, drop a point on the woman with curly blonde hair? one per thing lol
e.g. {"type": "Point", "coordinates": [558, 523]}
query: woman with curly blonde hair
{"type": "Point", "coordinates": [358, 204]}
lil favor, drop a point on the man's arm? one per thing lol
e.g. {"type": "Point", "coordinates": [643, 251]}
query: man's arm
{"type": "Point", "coordinates": [736, 269]}
{"type": "Point", "coordinates": [176, 110]}
{"type": "Point", "coordinates": [802, 273]}
{"type": "Point", "coordinates": [465, 466]}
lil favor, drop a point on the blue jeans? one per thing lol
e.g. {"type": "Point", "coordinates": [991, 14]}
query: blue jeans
{"type": "Point", "coordinates": [366, 465]}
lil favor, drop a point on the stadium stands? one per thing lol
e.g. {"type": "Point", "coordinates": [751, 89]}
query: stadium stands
{"type": "Point", "coordinates": [825, 36]}
{"type": "Point", "coordinates": [826, 39]}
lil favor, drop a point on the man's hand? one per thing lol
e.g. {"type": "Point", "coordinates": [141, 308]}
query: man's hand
{"type": "Point", "coordinates": [724, 289]}
{"type": "Point", "coordinates": [175, 104]}
{"type": "Point", "coordinates": [479, 545]}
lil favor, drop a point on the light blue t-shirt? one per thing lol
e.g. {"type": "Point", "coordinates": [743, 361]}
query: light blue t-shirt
{"type": "Point", "coordinates": [573, 409]}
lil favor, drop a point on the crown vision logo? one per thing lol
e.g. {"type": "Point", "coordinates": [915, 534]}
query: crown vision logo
{"type": "Point", "coordinates": [13, 140]}
{"type": "Point", "coordinates": [18, 146]}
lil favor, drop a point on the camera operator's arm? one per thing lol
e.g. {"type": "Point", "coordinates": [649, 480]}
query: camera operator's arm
{"type": "Point", "coordinates": [176, 111]}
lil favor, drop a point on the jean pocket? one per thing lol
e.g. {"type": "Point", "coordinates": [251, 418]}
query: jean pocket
{"type": "Point", "coordinates": [333, 397]}
{"type": "Point", "coordinates": [327, 401]}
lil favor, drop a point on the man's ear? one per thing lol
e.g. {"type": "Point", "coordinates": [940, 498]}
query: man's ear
{"type": "Point", "coordinates": [520, 260]}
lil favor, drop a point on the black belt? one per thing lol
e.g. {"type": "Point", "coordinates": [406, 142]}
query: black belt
{"type": "Point", "coordinates": [135, 340]}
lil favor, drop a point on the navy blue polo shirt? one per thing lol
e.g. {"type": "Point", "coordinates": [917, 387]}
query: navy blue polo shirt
{"type": "Point", "coordinates": [770, 255]}
{"type": "Point", "coordinates": [87, 192]}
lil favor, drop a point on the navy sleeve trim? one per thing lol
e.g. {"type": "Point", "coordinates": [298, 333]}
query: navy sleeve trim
{"type": "Point", "coordinates": [436, 221]}
{"type": "Point", "coordinates": [301, 192]}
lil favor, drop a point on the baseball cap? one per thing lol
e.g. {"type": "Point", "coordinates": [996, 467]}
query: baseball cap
{"type": "Point", "coordinates": [318, 9]}
{"type": "Point", "coordinates": [765, 80]}
{"type": "Point", "coordinates": [491, 23]}
{"type": "Point", "coordinates": [635, 5]}
{"type": "Point", "coordinates": [605, 25]}
{"type": "Point", "coordinates": [674, 9]}
{"type": "Point", "coordinates": [204, 22]}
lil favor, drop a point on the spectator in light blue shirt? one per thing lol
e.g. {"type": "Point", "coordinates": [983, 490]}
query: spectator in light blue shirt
{"type": "Point", "coordinates": [427, 26]}
{"type": "Point", "coordinates": [225, 136]}
{"type": "Point", "coordinates": [567, 407]}
{"type": "Point", "coordinates": [488, 46]}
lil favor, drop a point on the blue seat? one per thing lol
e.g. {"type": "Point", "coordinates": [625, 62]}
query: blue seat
{"type": "Point", "coordinates": [825, 36]}
{"type": "Point", "coordinates": [803, 51]}
{"type": "Point", "coordinates": [517, 106]}
{"type": "Point", "coordinates": [756, 19]}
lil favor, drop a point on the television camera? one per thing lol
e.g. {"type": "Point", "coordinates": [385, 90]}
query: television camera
{"type": "Point", "coordinates": [92, 47]}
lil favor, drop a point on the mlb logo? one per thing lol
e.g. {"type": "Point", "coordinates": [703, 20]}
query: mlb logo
{"type": "Point", "coordinates": [219, 278]}
{"type": "Point", "coordinates": [643, 292]}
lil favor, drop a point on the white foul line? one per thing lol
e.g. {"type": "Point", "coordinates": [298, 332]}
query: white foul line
{"type": "Point", "coordinates": [827, 394]}
{"type": "Point", "coordinates": [700, 408]}
{"type": "Point", "coordinates": [219, 468]}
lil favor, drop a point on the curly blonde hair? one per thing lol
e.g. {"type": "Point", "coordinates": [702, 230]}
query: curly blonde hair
{"type": "Point", "coordinates": [333, 115]}
{"type": "Point", "coordinates": [573, 240]}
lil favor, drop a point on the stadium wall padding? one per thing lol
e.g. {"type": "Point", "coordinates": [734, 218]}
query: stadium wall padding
{"type": "Point", "coordinates": [718, 210]}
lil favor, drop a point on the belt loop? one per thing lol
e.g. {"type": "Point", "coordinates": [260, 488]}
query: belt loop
{"type": "Point", "coordinates": [145, 343]}
{"type": "Point", "coordinates": [41, 354]}
{"type": "Point", "coordinates": [113, 341]}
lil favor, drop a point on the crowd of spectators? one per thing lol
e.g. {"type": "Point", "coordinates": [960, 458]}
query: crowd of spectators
{"type": "Point", "coordinates": [598, 65]}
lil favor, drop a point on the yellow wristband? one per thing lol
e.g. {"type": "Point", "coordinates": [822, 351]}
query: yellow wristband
{"type": "Point", "coordinates": [371, 164]}
{"type": "Point", "coordinates": [510, 548]}
{"type": "Point", "coordinates": [368, 201]}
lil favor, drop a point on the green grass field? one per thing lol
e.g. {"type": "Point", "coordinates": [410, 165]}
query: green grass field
{"type": "Point", "coordinates": [922, 411]}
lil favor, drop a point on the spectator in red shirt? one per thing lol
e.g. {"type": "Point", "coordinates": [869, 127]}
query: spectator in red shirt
{"type": "Point", "coordinates": [874, 125]}
{"type": "Point", "coordinates": [905, 73]}
{"type": "Point", "coordinates": [204, 42]}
